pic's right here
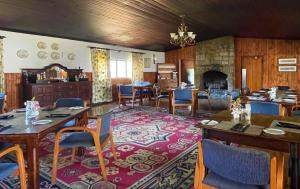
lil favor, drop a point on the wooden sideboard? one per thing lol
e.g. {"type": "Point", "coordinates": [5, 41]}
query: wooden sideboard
{"type": "Point", "coordinates": [48, 93]}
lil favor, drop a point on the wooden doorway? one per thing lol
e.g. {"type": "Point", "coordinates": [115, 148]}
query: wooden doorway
{"type": "Point", "coordinates": [187, 71]}
{"type": "Point", "coordinates": [252, 72]}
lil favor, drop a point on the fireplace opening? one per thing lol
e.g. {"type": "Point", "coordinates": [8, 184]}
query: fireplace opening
{"type": "Point", "coordinates": [215, 80]}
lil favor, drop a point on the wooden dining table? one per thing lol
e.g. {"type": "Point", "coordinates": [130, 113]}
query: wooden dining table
{"type": "Point", "coordinates": [31, 135]}
{"type": "Point", "coordinates": [140, 88]}
{"type": "Point", "coordinates": [287, 143]}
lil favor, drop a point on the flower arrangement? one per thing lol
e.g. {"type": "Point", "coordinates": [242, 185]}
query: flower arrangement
{"type": "Point", "coordinates": [236, 108]}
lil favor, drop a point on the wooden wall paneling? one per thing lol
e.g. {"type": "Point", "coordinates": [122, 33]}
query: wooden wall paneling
{"type": "Point", "coordinates": [13, 90]}
{"type": "Point", "coordinates": [271, 50]}
{"type": "Point", "coordinates": [187, 53]}
{"type": "Point", "coordinates": [89, 75]}
{"type": "Point", "coordinates": [150, 76]}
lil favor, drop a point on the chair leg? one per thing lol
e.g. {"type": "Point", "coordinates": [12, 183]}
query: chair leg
{"type": "Point", "coordinates": [101, 161]}
{"type": "Point", "coordinates": [209, 105]}
{"type": "Point", "coordinates": [113, 148]}
{"type": "Point", "coordinates": [119, 102]}
{"type": "Point", "coordinates": [22, 172]}
{"type": "Point", "coordinates": [174, 110]}
{"type": "Point", "coordinates": [55, 159]}
{"type": "Point", "coordinates": [74, 150]}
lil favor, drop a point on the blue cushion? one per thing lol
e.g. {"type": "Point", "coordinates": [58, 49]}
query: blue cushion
{"type": "Point", "coordinates": [246, 166]}
{"type": "Point", "coordinates": [218, 181]}
{"type": "Point", "coordinates": [80, 139]}
{"type": "Point", "coordinates": [70, 123]}
{"type": "Point", "coordinates": [184, 101]}
{"type": "Point", "coordinates": [2, 95]}
{"type": "Point", "coordinates": [183, 94]}
{"type": "Point", "coordinates": [125, 90]}
{"type": "Point", "coordinates": [267, 108]}
{"type": "Point", "coordinates": [69, 102]}
{"type": "Point", "coordinates": [235, 94]}
{"type": "Point", "coordinates": [7, 169]}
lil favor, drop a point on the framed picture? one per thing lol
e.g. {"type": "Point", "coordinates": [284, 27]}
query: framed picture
{"type": "Point", "coordinates": [287, 61]}
{"type": "Point", "coordinates": [287, 68]}
{"type": "Point", "coordinates": [147, 62]}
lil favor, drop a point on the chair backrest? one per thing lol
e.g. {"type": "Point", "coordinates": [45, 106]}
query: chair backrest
{"type": "Point", "coordinates": [125, 89]}
{"type": "Point", "coordinates": [103, 124]}
{"type": "Point", "coordinates": [69, 102]}
{"type": "Point", "coordinates": [183, 94]}
{"type": "Point", "coordinates": [242, 165]}
{"type": "Point", "coordinates": [235, 93]}
{"type": "Point", "coordinates": [268, 108]}
{"type": "Point", "coordinates": [2, 102]}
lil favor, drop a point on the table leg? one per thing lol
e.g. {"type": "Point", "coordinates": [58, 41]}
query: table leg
{"type": "Point", "coordinates": [295, 176]}
{"type": "Point", "coordinates": [141, 96]}
{"type": "Point", "coordinates": [170, 102]}
{"type": "Point", "coordinates": [33, 163]}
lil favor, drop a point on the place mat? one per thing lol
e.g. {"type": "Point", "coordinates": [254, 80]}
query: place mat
{"type": "Point", "coordinates": [274, 122]}
{"type": "Point", "coordinates": [251, 130]}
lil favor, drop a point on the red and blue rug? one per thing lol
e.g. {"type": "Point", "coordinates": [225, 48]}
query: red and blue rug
{"type": "Point", "coordinates": [155, 150]}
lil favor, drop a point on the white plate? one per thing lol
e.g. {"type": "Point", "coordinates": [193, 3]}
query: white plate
{"type": "Point", "coordinates": [274, 131]}
{"type": "Point", "coordinates": [289, 100]}
{"type": "Point", "coordinates": [75, 108]}
{"type": "Point", "coordinates": [292, 95]}
{"type": "Point", "coordinates": [42, 122]}
{"type": "Point", "coordinates": [209, 122]}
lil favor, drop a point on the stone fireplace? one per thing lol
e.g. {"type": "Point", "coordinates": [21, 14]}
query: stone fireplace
{"type": "Point", "coordinates": [215, 58]}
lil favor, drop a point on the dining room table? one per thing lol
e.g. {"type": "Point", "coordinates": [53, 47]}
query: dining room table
{"type": "Point", "coordinates": [141, 86]}
{"type": "Point", "coordinates": [286, 98]}
{"type": "Point", "coordinates": [30, 135]}
{"type": "Point", "coordinates": [288, 142]}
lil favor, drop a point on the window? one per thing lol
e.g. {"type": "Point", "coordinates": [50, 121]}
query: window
{"type": "Point", "coordinates": [120, 69]}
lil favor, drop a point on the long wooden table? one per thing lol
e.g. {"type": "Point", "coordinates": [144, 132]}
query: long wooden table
{"type": "Point", "coordinates": [288, 143]}
{"type": "Point", "coordinates": [31, 136]}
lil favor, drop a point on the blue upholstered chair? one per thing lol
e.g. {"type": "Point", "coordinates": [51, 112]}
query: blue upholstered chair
{"type": "Point", "coordinates": [182, 97]}
{"type": "Point", "coordinates": [235, 93]}
{"type": "Point", "coordinates": [13, 169]}
{"type": "Point", "coordinates": [69, 102]}
{"type": "Point", "coordinates": [127, 92]}
{"type": "Point", "coordinates": [267, 108]}
{"type": "Point", "coordinates": [236, 168]}
{"type": "Point", "coordinates": [2, 102]}
{"type": "Point", "coordinates": [204, 95]}
{"type": "Point", "coordinates": [159, 94]}
{"type": "Point", "coordinates": [86, 137]}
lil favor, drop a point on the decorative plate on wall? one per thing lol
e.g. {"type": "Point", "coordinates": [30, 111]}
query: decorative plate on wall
{"type": "Point", "coordinates": [55, 46]}
{"type": "Point", "coordinates": [42, 55]}
{"type": "Point", "coordinates": [41, 45]}
{"type": "Point", "coordinates": [22, 53]}
{"type": "Point", "coordinates": [55, 55]}
{"type": "Point", "coordinates": [71, 56]}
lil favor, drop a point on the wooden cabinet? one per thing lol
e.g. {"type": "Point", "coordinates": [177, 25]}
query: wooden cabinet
{"type": "Point", "coordinates": [167, 75]}
{"type": "Point", "coordinates": [48, 93]}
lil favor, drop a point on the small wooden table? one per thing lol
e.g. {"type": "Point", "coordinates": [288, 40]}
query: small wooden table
{"type": "Point", "coordinates": [194, 100]}
{"type": "Point", "coordinates": [288, 143]}
{"type": "Point", "coordinates": [31, 136]}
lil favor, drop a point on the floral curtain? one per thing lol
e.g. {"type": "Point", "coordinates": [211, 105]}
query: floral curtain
{"type": "Point", "coordinates": [2, 87]}
{"type": "Point", "coordinates": [102, 88]}
{"type": "Point", "coordinates": [137, 67]}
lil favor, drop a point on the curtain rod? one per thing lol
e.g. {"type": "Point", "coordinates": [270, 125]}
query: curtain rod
{"type": "Point", "coordinates": [114, 50]}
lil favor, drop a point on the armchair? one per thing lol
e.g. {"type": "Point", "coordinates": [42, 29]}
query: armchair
{"type": "Point", "coordinates": [127, 92]}
{"type": "Point", "coordinates": [86, 137]}
{"type": "Point", "coordinates": [235, 168]}
{"type": "Point", "coordinates": [8, 169]}
{"type": "Point", "coordinates": [183, 97]}
{"type": "Point", "coordinates": [159, 95]}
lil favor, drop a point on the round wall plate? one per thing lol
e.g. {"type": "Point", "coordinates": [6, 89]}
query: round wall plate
{"type": "Point", "coordinates": [22, 53]}
{"type": "Point", "coordinates": [42, 54]}
{"type": "Point", "coordinates": [55, 55]}
{"type": "Point", "coordinates": [41, 45]}
{"type": "Point", "coordinates": [55, 46]}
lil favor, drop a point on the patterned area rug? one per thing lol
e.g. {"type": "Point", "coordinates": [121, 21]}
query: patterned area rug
{"type": "Point", "coordinates": [155, 150]}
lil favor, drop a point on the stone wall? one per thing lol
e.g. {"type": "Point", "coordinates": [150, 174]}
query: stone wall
{"type": "Point", "coordinates": [216, 54]}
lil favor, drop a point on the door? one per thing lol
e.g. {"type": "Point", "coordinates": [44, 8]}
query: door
{"type": "Point", "coordinates": [252, 72]}
{"type": "Point", "coordinates": [187, 71]}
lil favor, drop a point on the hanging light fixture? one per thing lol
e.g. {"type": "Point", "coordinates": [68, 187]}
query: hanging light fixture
{"type": "Point", "coordinates": [183, 37]}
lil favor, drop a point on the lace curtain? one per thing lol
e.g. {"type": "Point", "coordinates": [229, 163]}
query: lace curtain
{"type": "Point", "coordinates": [137, 67]}
{"type": "Point", "coordinates": [2, 87]}
{"type": "Point", "coordinates": [102, 87]}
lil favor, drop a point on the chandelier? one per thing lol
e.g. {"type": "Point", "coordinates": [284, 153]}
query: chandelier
{"type": "Point", "coordinates": [183, 37]}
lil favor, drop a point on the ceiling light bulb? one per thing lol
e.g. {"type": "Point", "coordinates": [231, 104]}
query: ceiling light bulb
{"type": "Point", "coordinates": [181, 34]}
{"type": "Point", "coordinates": [190, 34]}
{"type": "Point", "coordinates": [172, 35]}
{"type": "Point", "coordinates": [193, 36]}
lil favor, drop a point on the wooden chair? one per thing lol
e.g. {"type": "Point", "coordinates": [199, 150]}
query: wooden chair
{"type": "Point", "coordinates": [183, 97]}
{"type": "Point", "coordinates": [219, 165]}
{"type": "Point", "coordinates": [127, 92]}
{"type": "Point", "coordinates": [86, 137]}
{"type": "Point", "coordinates": [202, 94]}
{"type": "Point", "coordinates": [159, 94]}
{"type": "Point", "coordinates": [13, 169]}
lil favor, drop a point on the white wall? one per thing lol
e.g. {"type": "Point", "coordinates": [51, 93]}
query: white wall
{"type": "Point", "coordinates": [16, 41]}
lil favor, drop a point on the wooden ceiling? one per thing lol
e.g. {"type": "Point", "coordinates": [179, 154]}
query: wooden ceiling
{"type": "Point", "coordinates": [146, 24]}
